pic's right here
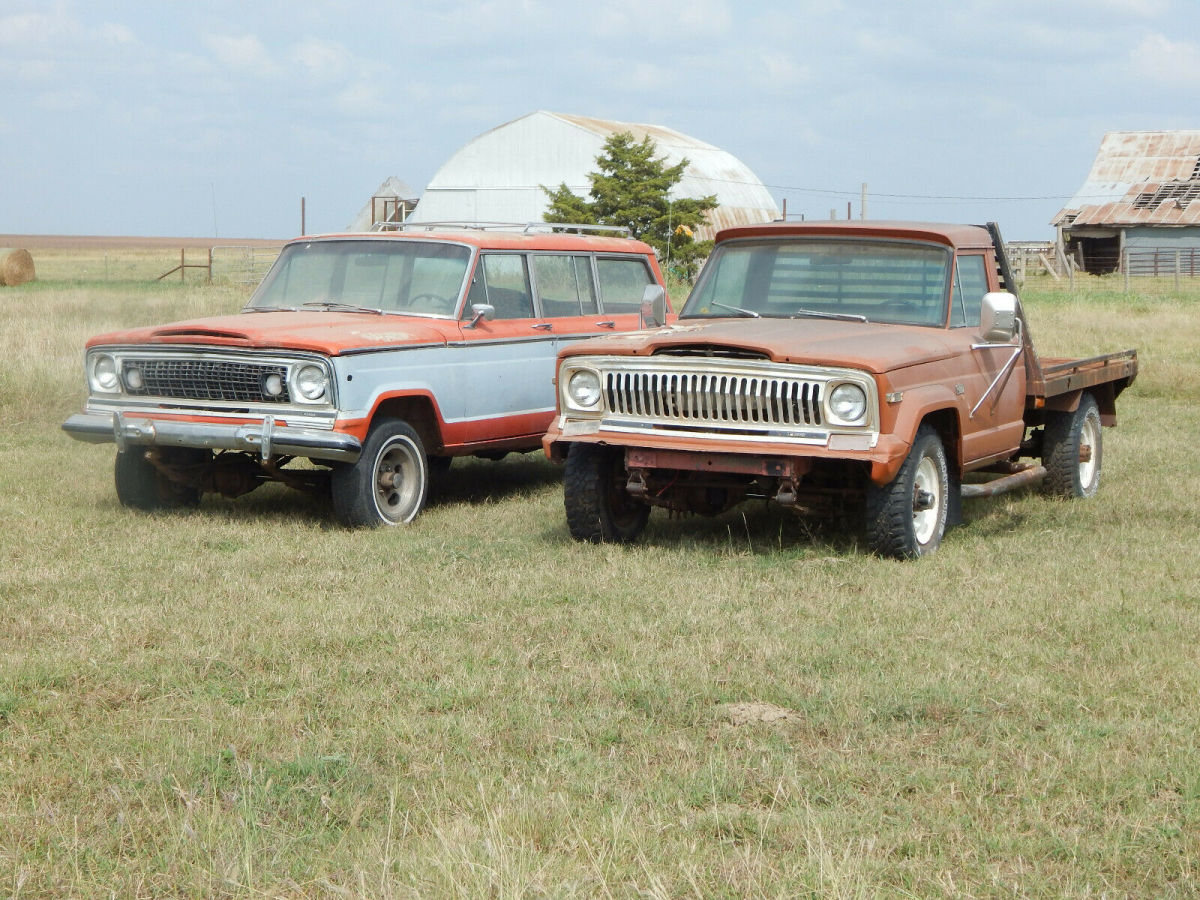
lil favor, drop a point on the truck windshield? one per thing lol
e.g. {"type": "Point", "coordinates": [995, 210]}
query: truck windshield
{"type": "Point", "coordinates": [419, 277]}
{"type": "Point", "coordinates": [878, 281]}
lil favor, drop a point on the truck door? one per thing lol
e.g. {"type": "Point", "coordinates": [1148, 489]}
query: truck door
{"type": "Point", "coordinates": [995, 408]}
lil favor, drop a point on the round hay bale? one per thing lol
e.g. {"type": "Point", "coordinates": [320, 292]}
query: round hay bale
{"type": "Point", "coordinates": [16, 267]}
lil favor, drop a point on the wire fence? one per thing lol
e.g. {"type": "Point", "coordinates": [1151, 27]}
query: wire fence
{"type": "Point", "coordinates": [1153, 271]}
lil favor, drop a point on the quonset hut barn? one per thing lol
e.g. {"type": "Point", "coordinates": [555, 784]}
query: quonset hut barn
{"type": "Point", "coordinates": [497, 177]}
{"type": "Point", "coordinates": [1139, 209]}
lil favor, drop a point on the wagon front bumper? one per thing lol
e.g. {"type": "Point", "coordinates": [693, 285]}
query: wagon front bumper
{"type": "Point", "coordinates": [263, 438]}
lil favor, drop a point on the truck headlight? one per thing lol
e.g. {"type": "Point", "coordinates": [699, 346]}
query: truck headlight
{"type": "Point", "coordinates": [583, 388]}
{"type": "Point", "coordinates": [847, 403]}
{"type": "Point", "coordinates": [104, 376]}
{"type": "Point", "coordinates": [311, 382]}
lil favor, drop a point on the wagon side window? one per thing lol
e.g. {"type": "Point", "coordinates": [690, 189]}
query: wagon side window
{"type": "Point", "coordinates": [502, 280]}
{"type": "Point", "coordinates": [970, 284]}
{"type": "Point", "coordinates": [564, 284]}
{"type": "Point", "coordinates": [622, 283]}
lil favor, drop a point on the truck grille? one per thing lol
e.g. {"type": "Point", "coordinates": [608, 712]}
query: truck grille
{"type": "Point", "coordinates": [205, 379]}
{"type": "Point", "coordinates": [714, 399]}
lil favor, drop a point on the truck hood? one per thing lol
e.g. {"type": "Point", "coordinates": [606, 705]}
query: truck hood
{"type": "Point", "coordinates": [330, 333]}
{"type": "Point", "coordinates": [872, 347]}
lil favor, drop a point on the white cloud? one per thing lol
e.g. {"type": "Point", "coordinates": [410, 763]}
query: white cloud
{"type": "Point", "coordinates": [1160, 59]}
{"type": "Point", "coordinates": [323, 60]}
{"type": "Point", "coordinates": [242, 53]}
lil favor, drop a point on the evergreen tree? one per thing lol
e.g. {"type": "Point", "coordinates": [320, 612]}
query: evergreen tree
{"type": "Point", "coordinates": [632, 188]}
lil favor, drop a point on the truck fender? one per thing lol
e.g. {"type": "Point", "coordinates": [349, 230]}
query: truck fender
{"type": "Point", "coordinates": [933, 401]}
{"type": "Point", "coordinates": [1106, 400]}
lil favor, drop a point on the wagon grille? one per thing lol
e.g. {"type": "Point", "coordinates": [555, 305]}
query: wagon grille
{"type": "Point", "coordinates": [715, 399]}
{"type": "Point", "coordinates": [205, 379]}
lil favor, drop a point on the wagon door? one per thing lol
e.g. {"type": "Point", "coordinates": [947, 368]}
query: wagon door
{"type": "Point", "coordinates": [507, 362]}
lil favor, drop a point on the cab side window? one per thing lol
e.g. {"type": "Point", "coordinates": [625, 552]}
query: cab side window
{"type": "Point", "coordinates": [502, 281]}
{"type": "Point", "coordinates": [970, 284]}
{"type": "Point", "coordinates": [564, 285]}
{"type": "Point", "coordinates": [622, 283]}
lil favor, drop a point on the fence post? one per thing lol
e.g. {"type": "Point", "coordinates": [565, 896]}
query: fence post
{"type": "Point", "coordinates": [1125, 267]}
{"type": "Point", "coordinates": [1177, 261]}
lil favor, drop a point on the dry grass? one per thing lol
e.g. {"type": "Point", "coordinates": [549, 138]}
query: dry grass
{"type": "Point", "coordinates": [247, 700]}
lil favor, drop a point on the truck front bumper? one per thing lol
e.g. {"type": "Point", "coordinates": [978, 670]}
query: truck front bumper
{"type": "Point", "coordinates": [262, 438]}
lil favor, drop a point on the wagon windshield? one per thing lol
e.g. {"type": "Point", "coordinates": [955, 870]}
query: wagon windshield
{"type": "Point", "coordinates": [896, 282]}
{"type": "Point", "coordinates": [416, 277]}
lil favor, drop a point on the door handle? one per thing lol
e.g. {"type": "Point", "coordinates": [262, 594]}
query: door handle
{"type": "Point", "coordinates": [606, 324]}
{"type": "Point", "coordinates": [549, 326]}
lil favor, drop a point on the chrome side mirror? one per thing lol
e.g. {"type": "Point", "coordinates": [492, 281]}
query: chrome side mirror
{"type": "Point", "coordinates": [998, 317]}
{"type": "Point", "coordinates": [481, 312]}
{"type": "Point", "coordinates": [654, 307]}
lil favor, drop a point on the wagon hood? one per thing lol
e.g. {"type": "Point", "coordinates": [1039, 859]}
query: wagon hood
{"type": "Point", "coordinates": [330, 333]}
{"type": "Point", "coordinates": [857, 345]}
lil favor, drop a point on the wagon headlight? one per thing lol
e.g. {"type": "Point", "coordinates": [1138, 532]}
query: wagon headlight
{"type": "Point", "coordinates": [311, 382]}
{"type": "Point", "coordinates": [104, 376]}
{"type": "Point", "coordinates": [847, 404]}
{"type": "Point", "coordinates": [583, 388]}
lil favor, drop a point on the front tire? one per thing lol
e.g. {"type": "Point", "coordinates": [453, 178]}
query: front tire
{"type": "Point", "coordinates": [388, 483]}
{"type": "Point", "coordinates": [599, 509]}
{"type": "Point", "coordinates": [907, 517]}
{"type": "Point", "coordinates": [1071, 451]}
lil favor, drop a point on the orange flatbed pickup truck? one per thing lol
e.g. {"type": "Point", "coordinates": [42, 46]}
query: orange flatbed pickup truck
{"type": "Point", "coordinates": [823, 365]}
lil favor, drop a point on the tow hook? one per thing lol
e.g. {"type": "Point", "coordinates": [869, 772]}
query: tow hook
{"type": "Point", "coordinates": [636, 485]}
{"type": "Point", "coordinates": [786, 495]}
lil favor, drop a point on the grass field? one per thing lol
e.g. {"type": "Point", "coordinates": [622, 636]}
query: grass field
{"type": "Point", "coordinates": [248, 700]}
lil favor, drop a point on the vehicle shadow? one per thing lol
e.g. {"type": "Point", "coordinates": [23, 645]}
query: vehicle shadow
{"type": "Point", "coordinates": [471, 480]}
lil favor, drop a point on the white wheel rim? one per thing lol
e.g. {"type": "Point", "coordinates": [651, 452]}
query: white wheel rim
{"type": "Point", "coordinates": [397, 481]}
{"type": "Point", "coordinates": [925, 521]}
{"type": "Point", "coordinates": [1089, 456]}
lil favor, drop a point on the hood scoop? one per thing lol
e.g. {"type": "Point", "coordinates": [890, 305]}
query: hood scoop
{"type": "Point", "coordinates": [710, 350]}
{"type": "Point", "coordinates": [195, 332]}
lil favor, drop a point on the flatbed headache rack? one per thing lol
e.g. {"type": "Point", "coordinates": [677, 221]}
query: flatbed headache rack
{"type": "Point", "coordinates": [523, 227]}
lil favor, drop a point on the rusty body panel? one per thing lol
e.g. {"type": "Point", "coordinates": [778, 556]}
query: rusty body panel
{"type": "Point", "coordinates": [709, 411]}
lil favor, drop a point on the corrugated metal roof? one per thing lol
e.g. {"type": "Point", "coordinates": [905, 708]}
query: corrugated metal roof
{"type": "Point", "coordinates": [497, 175]}
{"type": "Point", "coordinates": [1140, 178]}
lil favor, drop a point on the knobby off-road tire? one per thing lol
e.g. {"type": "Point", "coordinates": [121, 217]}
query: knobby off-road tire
{"type": "Point", "coordinates": [1072, 452]}
{"type": "Point", "coordinates": [388, 483]}
{"type": "Point", "coordinates": [907, 518]}
{"type": "Point", "coordinates": [599, 509]}
{"type": "Point", "coordinates": [141, 486]}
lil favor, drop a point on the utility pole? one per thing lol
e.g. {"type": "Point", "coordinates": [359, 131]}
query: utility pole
{"type": "Point", "coordinates": [302, 228]}
{"type": "Point", "coordinates": [862, 204]}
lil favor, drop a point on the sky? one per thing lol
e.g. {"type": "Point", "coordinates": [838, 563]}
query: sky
{"type": "Point", "coordinates": [215, 118]}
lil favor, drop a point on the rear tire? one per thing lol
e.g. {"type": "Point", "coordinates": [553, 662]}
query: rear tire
{"type": "Point", "coordinates": [142, 486]}
{"type": "Point", "coordinates": [1072, 451]}
{"type": "Point", "coordinates": [388, 483]}
{"type": "Point", "coordinates": [907, 517]}
{"type": "Point", "coordinates": [599, 509]}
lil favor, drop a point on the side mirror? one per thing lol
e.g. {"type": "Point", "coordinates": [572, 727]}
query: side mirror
{"type": "Point", "coordinates": [654, 307]}
{"type": "Point", "coordinates": [484, 312]}
{"type": "Point", "coordinates": [998, 317]}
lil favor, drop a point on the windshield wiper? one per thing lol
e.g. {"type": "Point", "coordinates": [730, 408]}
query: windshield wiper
{"type": "Point", "coordinates": [342, 307]}
{"type": "Point", "coordinates": [737, 309]}
{"type": "Point", "coordinates": [258, 309]}
{"type": "Point", "coordinates": [819, 314]}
